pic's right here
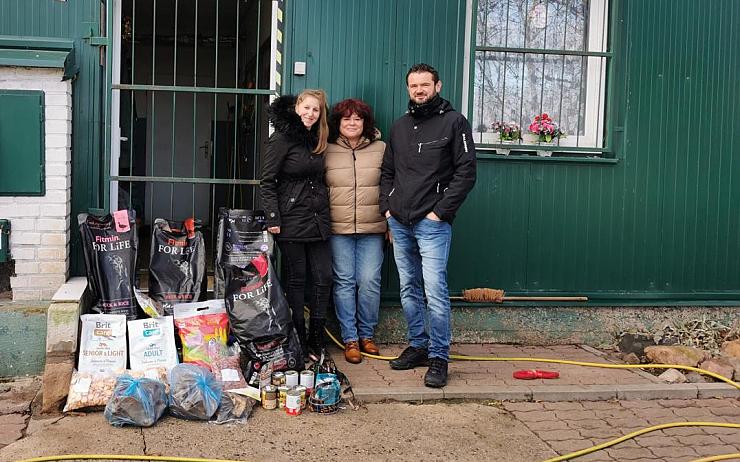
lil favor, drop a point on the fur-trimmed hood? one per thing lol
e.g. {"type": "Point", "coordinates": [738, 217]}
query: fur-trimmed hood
{"type": "Point", "coordinates": [281, 114]}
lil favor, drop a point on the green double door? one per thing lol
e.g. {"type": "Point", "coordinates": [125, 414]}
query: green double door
{"type": "Point", "coordinates": [363, 48]}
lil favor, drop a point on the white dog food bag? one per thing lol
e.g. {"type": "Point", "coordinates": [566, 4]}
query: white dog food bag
{"type": "Point", "coordinates": [151, 343]}
{"type": "Point", "coordinates": [103, 344]}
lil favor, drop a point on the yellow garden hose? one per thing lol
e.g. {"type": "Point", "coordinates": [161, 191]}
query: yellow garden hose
{"type": "Point", "coordinates": [629, 436]}
{"type": "Point", "coordinates": [721, 457]}
{"type": "Point", "coordinates": [563, 361]}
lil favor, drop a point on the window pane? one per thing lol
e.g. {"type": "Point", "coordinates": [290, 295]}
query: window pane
{"type": "Point", "coordinates": [514, 87]}
{"type": "Point", "coordinates": [554, 24]}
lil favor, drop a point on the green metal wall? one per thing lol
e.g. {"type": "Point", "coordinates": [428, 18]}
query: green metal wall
{"type": "Point", "coordinates": [362, 49]}
{"type": "Point", "coordinates": [660, 224]}
{"type": "Point", "coordinates": [77, 20]}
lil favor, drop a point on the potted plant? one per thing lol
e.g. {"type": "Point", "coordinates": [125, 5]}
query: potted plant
{"type": "Point", "coordinates": [543, 130]}
{"type": "Point", "coordinates": [508, 132]}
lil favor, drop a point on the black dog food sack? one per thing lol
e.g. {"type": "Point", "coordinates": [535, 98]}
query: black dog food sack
{"type": "Point", "coordinates": [177, 263]}
{"type": "Point", "coordinates": [109, 244]}
{"type": "Point", "coordinates": [242, 235]}
{"type": "Point", "coordinates": [259, 314]}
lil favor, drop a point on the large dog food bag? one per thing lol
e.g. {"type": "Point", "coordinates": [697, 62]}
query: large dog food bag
{"type": "Point", "coordinates": [151, 343]}
{"type": "Point", "coordinates": [109, 244]}
{"type": "Point", "coordinates": [177, 263]}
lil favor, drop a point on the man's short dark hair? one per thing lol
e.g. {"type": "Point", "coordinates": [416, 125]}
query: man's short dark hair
{"type": "Point", "coordinates": [421, 67]}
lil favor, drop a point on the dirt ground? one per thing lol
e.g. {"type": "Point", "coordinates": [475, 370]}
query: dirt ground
{"type": "Point", "coordinates": [386, 431]}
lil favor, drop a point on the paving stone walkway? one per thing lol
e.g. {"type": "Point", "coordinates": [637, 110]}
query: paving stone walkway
{"type": "Point", "coordinates": [475, 373]}
{"type": "Point", "coordinates": [571, 426]}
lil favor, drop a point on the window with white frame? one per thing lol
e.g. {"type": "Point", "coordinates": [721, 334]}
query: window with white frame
{"type": "Point", "coordinates": [535, 57]}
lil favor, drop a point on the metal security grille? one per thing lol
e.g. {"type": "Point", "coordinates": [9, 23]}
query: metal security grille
{"type": "Point", "coordinates": [542, 56]}
{"type": "Point", "coordinates": [190, 81]}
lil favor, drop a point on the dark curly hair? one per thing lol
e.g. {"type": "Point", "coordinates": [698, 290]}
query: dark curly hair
{"type": "Point", "coordinates": [346, 108]}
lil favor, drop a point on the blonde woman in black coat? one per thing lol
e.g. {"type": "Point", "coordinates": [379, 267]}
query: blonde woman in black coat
{"type": "Point", "coordinates": [296, 203]}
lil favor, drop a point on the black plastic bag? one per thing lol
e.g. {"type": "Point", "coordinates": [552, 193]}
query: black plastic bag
{"type": "Point", "coordinates": [177, 264]}
{"type": "Point", "coordinates": [242, 235]}
{"type": "Point", "coordinates": [195, 393]}
{"type": "Point", "coordinates": [259, 314]}
{"type": "Point", "coordinates": [234, 408]}
{"type": "Point", "coordinates": [109, 244]}
{"type": "Point", "coordinates": [139, 402]}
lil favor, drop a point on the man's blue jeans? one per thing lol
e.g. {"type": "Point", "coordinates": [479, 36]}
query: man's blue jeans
{"type": "Point", "coordinates": [357, 262]}
{"type": "Point", "coordinates": [421, 252]}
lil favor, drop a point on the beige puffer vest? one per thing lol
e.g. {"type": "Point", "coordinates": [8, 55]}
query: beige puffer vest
{"type": "Point", "coordinates": [353, 178]}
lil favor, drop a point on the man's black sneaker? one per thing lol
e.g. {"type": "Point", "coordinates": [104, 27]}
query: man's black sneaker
{"type": "Point", "coordinates": [410, 358]}
{"type": "Point", "coordinates": [436, 376]}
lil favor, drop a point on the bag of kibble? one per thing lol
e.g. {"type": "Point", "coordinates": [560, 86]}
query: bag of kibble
{"type": "Point", "coordinates": [102, 344]}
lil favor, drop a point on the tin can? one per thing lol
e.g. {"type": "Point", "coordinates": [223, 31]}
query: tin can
{"type": "Point", "coordinates": [307, 380]}
{"type": "Point", "coordinates": [293, 402]}
{"type": "Point", "coordinates": [291, 378]}
{"type": "Point", "coordinates": [302, 390]}
{"type": "Point", "coordinates": [282, 394]}
{"type": "Point", "coordinates": [278, 378]}
{"type": "Point", "coordinates": [269, 397]}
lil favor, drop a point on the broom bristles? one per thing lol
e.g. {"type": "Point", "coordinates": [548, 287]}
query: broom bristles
{"type": "Point", "coordinates": [483, 295]}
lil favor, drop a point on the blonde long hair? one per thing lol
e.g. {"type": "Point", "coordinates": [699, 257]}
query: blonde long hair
{"type": "Point", "coordinates": [323, 123]}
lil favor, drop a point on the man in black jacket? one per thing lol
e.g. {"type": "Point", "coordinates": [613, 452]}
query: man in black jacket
{"type": "Point", "coordinates": [428, 170]}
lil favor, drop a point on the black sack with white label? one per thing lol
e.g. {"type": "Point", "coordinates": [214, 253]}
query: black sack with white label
{"type": "Point", "coordinates": [259, 314]}
{"type": "Point", "coordinates": [242, 235]}
{"type": "Point", "coordinates": [109, 244]}
{"type": "Point", "coordinates": [177, 263]}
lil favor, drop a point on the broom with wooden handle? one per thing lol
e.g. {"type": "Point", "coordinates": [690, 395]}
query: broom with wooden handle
{"type": "Point", "coordinates": [499, 296]}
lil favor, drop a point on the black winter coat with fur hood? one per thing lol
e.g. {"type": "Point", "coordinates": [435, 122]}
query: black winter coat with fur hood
{"type": "Point", "coordinates": [294, 194]}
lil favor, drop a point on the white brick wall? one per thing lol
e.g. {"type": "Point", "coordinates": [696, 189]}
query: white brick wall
{"type": "Point", "coordinates": [39, 236]}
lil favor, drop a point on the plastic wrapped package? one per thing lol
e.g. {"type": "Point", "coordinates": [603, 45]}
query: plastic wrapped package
{"type": "Point", "coordinates": [234, 408]}
{"type": "Point", "coordinates": [228, 370]}
{"type": "Point", "coordinates": [92, 391]}
{"type": "Point", "coordinates": [89, 391]}
{"type": "Point", "coordinates": [195, 393]}
{"type": "Point", "coordinates": [136, 401]}
{"type": "Point", "coordinates": [203, 328]}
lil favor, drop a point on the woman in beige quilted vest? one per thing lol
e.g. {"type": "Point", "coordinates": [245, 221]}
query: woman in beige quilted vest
{"type": "Point", "coordinates": [353, 159]}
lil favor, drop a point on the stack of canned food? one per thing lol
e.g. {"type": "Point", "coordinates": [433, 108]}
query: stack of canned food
{"type": "Point", "coordinates": [289, 390]}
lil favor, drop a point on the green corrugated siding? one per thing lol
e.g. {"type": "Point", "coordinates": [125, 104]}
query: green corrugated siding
{"type": "Point", "coordinates": [660, 223]}
{"type": "Point", "coordinates": [363, 49]}
{"type": "Point", "coordinates": [74, 19]}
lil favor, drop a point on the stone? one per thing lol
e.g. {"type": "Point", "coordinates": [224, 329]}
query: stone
{"type": "Point", "coordinates": [631, 358]}
{"type": "Point", "coordinates": [719, 366]}
{"type": "Point", "coordinates": [695, 377]}
{"type": "Point", "coordinates": [676, 354]}
{"type": "Point", "coordinates": [673, 376]}
{"type": "Point", "coordinates": [736, 365]}
{"type": "Point", "coordinates": [731, 348]}
{"type": "Point", "coordinates": [57, 376]}
{"type": "Point", "coordinates": [635, 343]}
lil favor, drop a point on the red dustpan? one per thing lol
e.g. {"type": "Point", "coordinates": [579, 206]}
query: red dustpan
{"type": "Point", "coordinates": [531, 374]}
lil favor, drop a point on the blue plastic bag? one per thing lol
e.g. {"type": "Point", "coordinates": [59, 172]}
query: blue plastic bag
{"type": "Point", "coordinates": [195, 393]}
{"type": "Point", "coordinates": [138, 402]}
